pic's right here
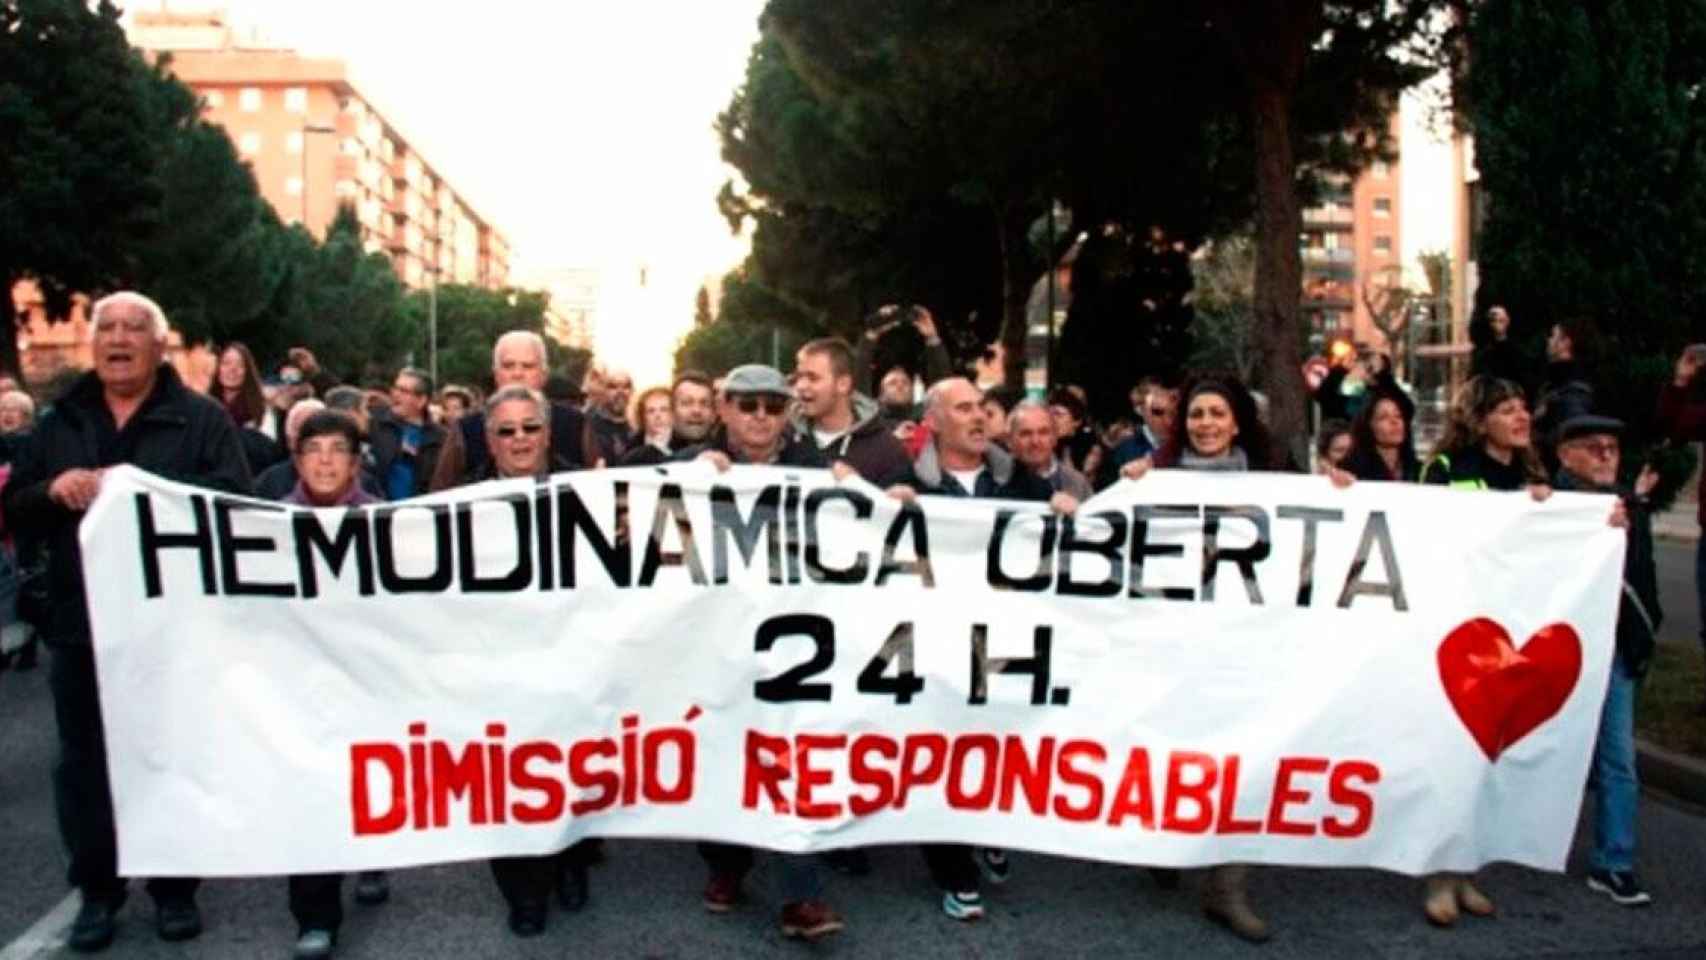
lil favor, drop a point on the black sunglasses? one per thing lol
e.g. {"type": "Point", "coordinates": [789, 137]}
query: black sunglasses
{"type": "Point", "coordinates": [772, 405]}
{"type": "Point", "coordinates": [509, 430]}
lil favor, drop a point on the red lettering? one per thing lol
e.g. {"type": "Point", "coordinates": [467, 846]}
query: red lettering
{"type": "Point", "coordinates": [526, 781]}
{"type": "Point", "coordinates": [584, 777]}
{"type": "Point", "coordinates": [769, 775]}
{"type": "Point", "coordinates": [807, 777]}
{"type": "Point", "coordinates": [1229, 822]}
{"type": "Point", "coordinates": [1285, 796]}
{"type": "Point", "coordinates": [1136, 795]}
{"type": "Point", "coordinates": [984, 795]}
{"type": "Point", "coordinates": [1072, 776]}
{"type": "Point", "coordinates": [1018, 770]}
{"type": "Point", "coordinates": [1200, 792]}
{"type": "Point", "coordinates": [396, 814]}
{"type": "Point", "coordinates": [863, 774]}
{"type": "Point", "coordinates": [458, 776]}
{"type": "Point", "coordinates": [684, 745]}
{"type": "Point", "coordinates": [630, 777]}
{"type": "Point", "coordinates": [932, 745]}
{"type": "Point", "coordinates": [1360, 802]}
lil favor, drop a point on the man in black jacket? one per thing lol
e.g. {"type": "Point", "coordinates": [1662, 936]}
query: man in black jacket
{"type": "Point", "coordinates": [518, 359]}
{"type": "Point", "coordinates": [1588, 454]}
{"type": "Point", "coordinates": [404, 440]}
{"type": "Point", "coordinates": [131, 409]}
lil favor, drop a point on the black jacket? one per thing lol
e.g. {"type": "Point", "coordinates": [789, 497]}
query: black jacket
{"type": "Point", "coordinates": [1003, 478]}
{"type": "Point", "coordinates": [1638, 613]}
{"type": "Point", "coordinates": [607, 439]}
{"type": "Point", "coordinates": [385, 440]}
{"type": "Point", "coordinates": [177, 433]}
{"type": "Point", "coordinates": [465, 456]}
{"type": "Point", "coordinates": [794, 452]}
{"type": "Point", "coordinates": [260, 450]}
{"type": "Point", "coordinates": [869, 445]}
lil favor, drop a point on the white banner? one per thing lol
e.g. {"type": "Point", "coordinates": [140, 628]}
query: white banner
{"type": "Point", "coordinates": [1196, 669]}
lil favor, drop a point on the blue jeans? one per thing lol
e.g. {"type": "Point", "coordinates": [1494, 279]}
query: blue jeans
{"type": "Point", "coordinates": [1614, 776]}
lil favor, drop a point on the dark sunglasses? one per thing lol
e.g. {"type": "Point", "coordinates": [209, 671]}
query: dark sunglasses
{"type": "Point", "coordinates": [509, 430]}
{"type": "Point", "coordinates": [772, 405]}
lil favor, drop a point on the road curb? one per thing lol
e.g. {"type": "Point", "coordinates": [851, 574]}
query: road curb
{"type": "Point", "coordinates": [1677, 774]}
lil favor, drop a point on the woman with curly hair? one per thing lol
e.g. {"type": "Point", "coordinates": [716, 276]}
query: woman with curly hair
{"type": "Point", "coordinates": [1383, 446]}
{"type": "Point", "coordinates": [1488, 442]}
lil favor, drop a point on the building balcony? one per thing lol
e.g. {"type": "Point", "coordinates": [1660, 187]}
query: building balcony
{"type": "Point", "coordinates": [1332, 218]}
{"type": "Point", "coordinates": [1325, 255]}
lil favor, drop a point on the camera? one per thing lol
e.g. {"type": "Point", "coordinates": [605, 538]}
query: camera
{"type": "Point", "coordinates": [891, 315]}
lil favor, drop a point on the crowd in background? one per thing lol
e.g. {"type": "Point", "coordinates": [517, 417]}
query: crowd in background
{"type": "Point", "coordinates": [296, 434]}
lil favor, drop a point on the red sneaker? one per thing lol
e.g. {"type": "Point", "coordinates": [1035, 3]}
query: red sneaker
{"type": "Point", "coordinates": [722, 893]}
{"type": "Point", "coordinates": [810, 920]}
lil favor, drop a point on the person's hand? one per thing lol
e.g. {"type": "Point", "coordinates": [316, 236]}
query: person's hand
{"type": "Point", "coordinates": [1064, 504]}
{"type": "Point", "coordinates": [903, 431]}
{"type": "Point", "coordinates": [902, 492]}
{"type": "Point", "coordinates": [926, 324]}
{"type": "Point", "coordinates": [75, 489]}
{"type": "Point", "coordinates": [842, 470]}
{"type": "Point", "coordinates": [1341, 478]}
{"type": "Point", "coordinates": [1540, 492]}
{"type": "Point", "coordinates": [1687, 366]}
{"type": "Point", "coordinates": [1619, 515]}
{"type": "Point", "coordinates": [1137, 468]}
{"type": "Point", "coordinates": [891, 317]}
{"type": "Point", "coordinates": [717, 459]}
{"type": "Point", "coordinates": [1648, 479]}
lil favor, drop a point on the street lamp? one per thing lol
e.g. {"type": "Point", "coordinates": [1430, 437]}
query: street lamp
{"type": "Point", "coordinates": [308, 128]}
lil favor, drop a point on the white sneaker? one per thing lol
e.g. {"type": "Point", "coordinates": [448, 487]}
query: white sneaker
{"type": "Point", "coordinates": [995, 865]}
{"type": "Point", "coordinates": [965, 906]}
{"type": "Point", "coordinates": [314, 945]}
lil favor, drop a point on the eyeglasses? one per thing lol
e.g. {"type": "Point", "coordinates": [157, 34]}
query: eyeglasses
{"type": "Point", "coordinates": [750, 405]}
{"type": "Point", "coordinates": [509, 430]}
{"type": "Point", "coordinates": [1603, 449]}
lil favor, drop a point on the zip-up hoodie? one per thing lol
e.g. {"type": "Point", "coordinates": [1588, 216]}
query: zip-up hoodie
{"type": "Point", "coordinates": [869, 445]}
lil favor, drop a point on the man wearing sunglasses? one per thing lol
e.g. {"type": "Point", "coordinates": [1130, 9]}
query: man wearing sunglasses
{"type": "Point", "coordinates": [1589, 453]}
{"type": "Point", "coordinates": [518, 359]}
{"type": "Point", "coordinates": [755, 406]}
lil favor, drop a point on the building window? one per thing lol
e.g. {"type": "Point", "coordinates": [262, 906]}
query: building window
{"type": "Point", "coordinates": [1383, 206]}
{"type": "Point", "coordinates": [249, 99]}
{"type": "Point", "coordinates": [296, 100]}
{"type": "Point", "coordinates": [1383, 244]}
{"type": "Point", "coordinates": [250, 144]}
{"type": "Point", "coordinates": [345, 188]}
{"type": "Point", "coordinates": [293, 142]}
{"type": "Point", "coordinates": [293, 186]}
{"type": "Point", "coordinates": [1381, 169]}
{"type": "Point", "coordinates": [214, 99]}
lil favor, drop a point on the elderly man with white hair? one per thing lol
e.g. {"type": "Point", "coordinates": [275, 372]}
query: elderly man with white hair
{"type": "Point", "coordinates": [131, 408]}
{"type": "Point", "coordinates": [518, 359]}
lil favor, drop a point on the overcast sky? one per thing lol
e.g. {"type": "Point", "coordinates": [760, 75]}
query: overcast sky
{"type": "Point", "coordinates": [581, 129]}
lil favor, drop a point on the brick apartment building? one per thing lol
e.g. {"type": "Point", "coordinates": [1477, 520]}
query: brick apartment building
{"type": "Point", "coordinates": [1352, 243]}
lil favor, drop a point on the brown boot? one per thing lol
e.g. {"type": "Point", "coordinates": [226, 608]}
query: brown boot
{"type": "Point", "coordinates": [1226, 902]}
{"type": "Point", "coordinates": [1440, 903]}
{"type": "Point", "coordinates": [1472, 899]}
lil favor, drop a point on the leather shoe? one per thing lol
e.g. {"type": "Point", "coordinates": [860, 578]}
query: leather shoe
{"type": "Point", "coordinates": [177, 920]}
{"type": "Point", "coordinates": [95, 925]}
{"type": "Point", "coordinates": [527, 919]}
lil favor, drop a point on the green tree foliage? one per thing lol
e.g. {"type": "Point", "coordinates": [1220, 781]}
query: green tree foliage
{"type": "Point", "coordinates": [470, 320]}
{"type": "Point", "coordinates": [353, 301]}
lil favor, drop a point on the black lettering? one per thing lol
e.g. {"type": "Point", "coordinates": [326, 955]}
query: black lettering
{"type": "Point", "coordinates": [230, 545]}
{"type": "Point", "coordinates": [611, 549]}
{"type": "Point", "coordinates": [727, 523]}
{"type": "Point", "coordinates": [1375, 532]}
{"type": "Point", "coordinates": [670, 511]}
{"type": "Point", "coordinates": [1108, 549]}
{"type": "Point", "coordinates": [815, 567]}
{"type": "Point", "coordinates": [910, 518]}
{"type": "Point", "coordinates": [1036, 666]}
{"type": "Point", "coordinates": [354, 535]}
{"type": "Point", "coordinates": [1036, 582]}
{"type": "Point", "coordinates": [1246, 558]}
{"type": "Point", "coordinates": [153, 541]}
{"type": "Point", "coordinates": [520, 575]}
{"type": "Point", "coordinates": [385, 545]}
{"type": "Point", "coordinates": [1141, 514]}
{"type": "Point", "coordinates": [1311, 516]}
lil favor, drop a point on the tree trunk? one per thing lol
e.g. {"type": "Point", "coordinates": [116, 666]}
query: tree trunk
{"type": "Point", "coordinates": [1279, 272]}
{"type": "Point", "coordinates": [1015, 295]}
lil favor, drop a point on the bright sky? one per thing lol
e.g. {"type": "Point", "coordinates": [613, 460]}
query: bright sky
{"type": "Point", "coordinates": [581, 129]}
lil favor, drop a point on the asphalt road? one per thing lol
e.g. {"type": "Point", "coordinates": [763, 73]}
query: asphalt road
{"type": "Point", "coordinates": [646, 896]}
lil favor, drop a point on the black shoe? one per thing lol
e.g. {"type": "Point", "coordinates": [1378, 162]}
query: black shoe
{"type": "Point", "coordinates": [1164, 878]}
{"type": "Point", "coordinates": [573, 889]}
{"type": "Point", "coordinates": [372, 888]}
{"type": "Point", "coordinates": [852, 861]}
{"type": "Point", "coordinates": [177, 919]}
{"type": "Point", "coordinates": [527, 919]}
{"type": "Point", "coordinates": [95, 925]}
{"type": "Point", "coordinates": [592, 848]}
{"type": "Point", "coordinates": [26, 657]}
{"type": "Point", "coordinates": [1620, 885]}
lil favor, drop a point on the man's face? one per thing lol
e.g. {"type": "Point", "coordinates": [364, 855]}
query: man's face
{"type": "Point", "coordinates": [694, 412]}
{"type": "Point", "coordinates": [995, 420]}
{"type": "Point", "coordinates": [1499, 321]}
{"type": "Point", "coordinates": [958, 421]}
{"type": "Point", "coordinates": [755, 419]}
{"type": "Point", "coordinates": [1031, 436]}
{"type": "Point", "coordinates": [127, 355]}
{"type": "Point", "coordinates": [408, 398]}
{"type": "Point", "coordinates": [1161, 412]}
{"type": "Point", "coordinates": [515, 435]}
{"type": "Point", "coordinates": [517, 363]}
{"type": "Point", "coordinates": [618, 391]}
{"type": "Point", "coordinates": [327, 466]}
{"type": "Point", "coordinates": [817, 387]}
{"type": "Point", "coordinates": [895, 390]}
{"type": "Point", "coordinates": [12, 417]}
{"type": "Point", "coordinates": [1594, 458]}
{"type": "Point", "coordinates": [1558, 345]}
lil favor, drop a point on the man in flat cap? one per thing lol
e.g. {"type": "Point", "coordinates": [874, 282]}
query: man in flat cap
{"type": "Point", "coordinates": [1589, 454]}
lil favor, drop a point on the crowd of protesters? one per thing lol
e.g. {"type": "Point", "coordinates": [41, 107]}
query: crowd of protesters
{"type": "Point", "coordinates": [300, 437]}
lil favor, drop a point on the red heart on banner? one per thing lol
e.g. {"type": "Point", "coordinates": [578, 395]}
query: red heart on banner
{"type": "Point", "coordinates": [1501, 693]}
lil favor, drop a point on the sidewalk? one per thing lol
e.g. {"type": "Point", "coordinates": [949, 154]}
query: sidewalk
{"type": "Point", "coordinates": [1680, 523]}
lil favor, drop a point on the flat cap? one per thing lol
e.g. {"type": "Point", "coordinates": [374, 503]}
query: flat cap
{"type": "Point", "coordinates": [756, 378]}
{"type": "Point", "coordinates": [1588, 425]}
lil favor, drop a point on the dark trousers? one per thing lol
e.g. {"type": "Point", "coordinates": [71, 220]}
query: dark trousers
{"type": "Point", "coordinates": [530, 880]}
{"type": "Point", "coordinates": [317, 900]}
{"type": "Point", "coordinates": [951, 866]}
{"type": "Point", "coordinates": [799, 875]}
{"type": "Point", "coordinates": [82, 797]}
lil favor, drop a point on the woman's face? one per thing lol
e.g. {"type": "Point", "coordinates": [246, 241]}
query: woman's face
{"type": "Point", "coordinates": [1339, 449]}
{"type": "Point", "coordinates": [657, 416]}
{"type": "Point", "coordinates": [1387, 424]}
{"type": "Point", "coordinates": [231, 370]}
{"type": "Point", "coordinates": [327, 466]}
{"type": "Point", "coordinates": [1209, 425]}
{"type": "Point", "coordinates": [1508, 425]}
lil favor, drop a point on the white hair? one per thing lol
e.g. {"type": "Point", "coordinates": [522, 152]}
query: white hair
{"type": "Point", "coordinates": [130, 298]}
{"type": "Point", "coordinates": [1029, 405]}
{"type": "Point", "coordinates": [516, 391]}
{"type": "Point", "coordinates": [528, 337]}
{"type": "Point", "coordinates": [19, 399]}
{"type": "Point", "coordinates": [298, 415]}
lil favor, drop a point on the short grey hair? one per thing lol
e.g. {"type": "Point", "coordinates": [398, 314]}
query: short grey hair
{"type": "Point", "coordinates": [296, 417]}
{"type": "Point", "coordinates": [130, 298]}
{"type": "Point", "coordinates": [345, 397]}
{"type": "Point", "coordinates": [19, 399]}
{"type": "Point", "coordinates": [513, 392]}
{"type": "Point", "coordinates": [1028, 404]}
{"type": "Point", "coordinates": [532, 339]}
